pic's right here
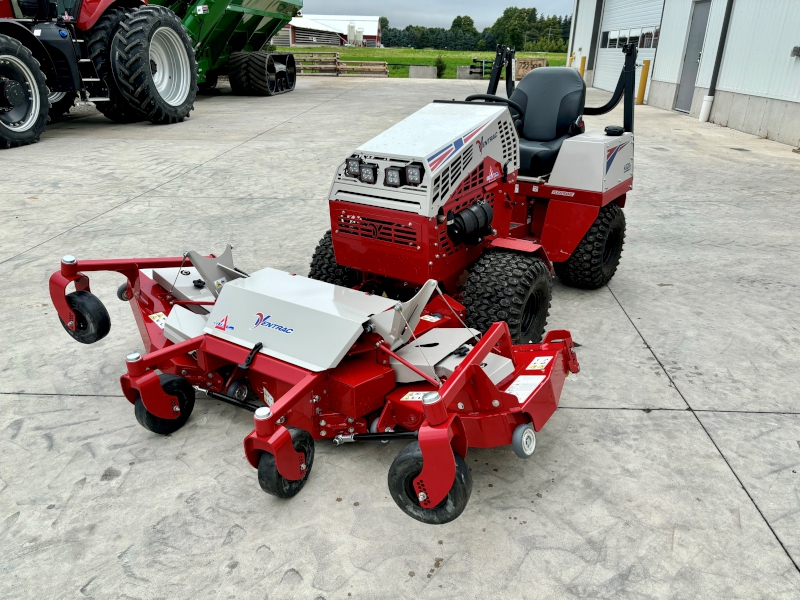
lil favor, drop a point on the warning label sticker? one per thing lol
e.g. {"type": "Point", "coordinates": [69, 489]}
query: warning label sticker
{"type": "Point", "coordinates": [159, 319]}
{"type": "Point", "coordinates": [431, 318]}
{"type": "Point", "coordinates": [539, 363]}
{"type": "Point", "coordinates": [524, 386]}
{"type": "Point", "coordinates": [219, 283]}
{"type": "Point", "coordinates": [413, 397]}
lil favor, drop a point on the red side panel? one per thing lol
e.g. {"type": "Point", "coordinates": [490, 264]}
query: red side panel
{"type": "Point", "coordinates": [564, 227]}
{"type": "Point", "coordinates": [5, 10]}
{"type": "Point", "coordinates": [92, 10]}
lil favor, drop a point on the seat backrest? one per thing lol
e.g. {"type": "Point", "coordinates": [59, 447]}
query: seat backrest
{"type": "Point", "coordinates": [553, 98]}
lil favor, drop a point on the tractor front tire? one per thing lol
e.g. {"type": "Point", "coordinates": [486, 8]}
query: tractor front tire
{"type": "Point", "coordinates": [174, 386]}
{"type": "Point", "coordinates": [22, 86]}
{"type": "Point", "coordinates": [595, 260]}
{"type": "Point", "coordinates": [406, 468]}
{"type": "Point", "coordinates": [117, 108]}
{"type": "Point", "coordinates": [273, 482]}
{"type": "Point", "coordinates": [92, 322]}
{"type": "Point", "coordinates": [154, 64]}
{"type": "Point", "coordinates": [325, 268]}
{"type": "Point", "coordinates": [511, 287]}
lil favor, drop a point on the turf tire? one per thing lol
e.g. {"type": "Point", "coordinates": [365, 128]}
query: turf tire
{"type": "Point", "coordinates": [92, 322]}
{"type": "Point", "coordinates": [174, 386]}
{"type": "Point", "coordinates": [273, 482]}
{"type": "Point", "coordinates": [133, 68]}
{"type": "Point", "coordinates": [98, 42]}
{"type": "Point", "coordinates": [511, 287]}
{"type": "Point", "coordinates": [595, 260]}
{"type": "Point", "coordinates": [10, 135]}
{"type": "Point", "coordinates": [405, 469]}
{"type": "Point", "coordinates": [325, 268]}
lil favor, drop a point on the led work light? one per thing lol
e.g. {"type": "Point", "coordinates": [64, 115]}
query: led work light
{"type": "Point", "coordinates": [368, 173]}
{"type": "Point", "coordinates": [414, 174]}
{"type": "Point", "coordinates": [393, 177]}
{"type": "Point", "coordinates": [353, 167]}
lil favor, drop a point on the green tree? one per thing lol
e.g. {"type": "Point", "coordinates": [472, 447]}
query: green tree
{"type": "Point", "coordinates": [384, 23]}
{"type": "Point", "coordinates": [441, 66]}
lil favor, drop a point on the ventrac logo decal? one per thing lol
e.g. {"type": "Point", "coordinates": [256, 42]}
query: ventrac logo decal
{"type": "Point", "coordinates": [482, 143]}
{"type": "Point", "coordinates": [222, 325]}
{"type": "Point", "coordinates": [612, 154]}
{"type": "Point", "coordinates": [264, 321]}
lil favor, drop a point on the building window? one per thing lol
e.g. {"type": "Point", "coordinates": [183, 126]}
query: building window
{"type": "Point", "coordinates": [643, 37]}
{"type": "Point", "coordinates": [646, 41]}
{"type": "Point", "coordinates": [604, 40]}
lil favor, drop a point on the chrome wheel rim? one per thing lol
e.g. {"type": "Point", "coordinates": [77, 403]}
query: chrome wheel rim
{"type": "Point", "coordinates": [23, 117]}
{"type": "Point", "coordinates": [169, 66]}
{"type": "Point", "coordinates": [56, 97]}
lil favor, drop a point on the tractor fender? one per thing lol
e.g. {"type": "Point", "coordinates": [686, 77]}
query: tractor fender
{"type": "Point", "coordinates": [564, 227]}
{"type": "Point", "coordinates": [24, 36]}
{"type": "Point", "coordinates": [525, 247]}
{"type": "Point", "coordinates": [92, 10]}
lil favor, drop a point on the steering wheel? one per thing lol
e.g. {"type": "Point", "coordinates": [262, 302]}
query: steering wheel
{"type": "Point", "coordinates": [489, 98]}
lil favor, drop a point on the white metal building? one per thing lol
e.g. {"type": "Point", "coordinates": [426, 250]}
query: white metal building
{"type": "Point", "coordinates": [757, 77]}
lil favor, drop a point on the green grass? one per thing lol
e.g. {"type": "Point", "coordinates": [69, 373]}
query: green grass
{"type": "Point", "coordinates": [400, 58]}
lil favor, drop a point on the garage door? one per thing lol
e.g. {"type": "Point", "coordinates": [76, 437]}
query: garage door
{"type": "Point", "coordinates": [626, 21]}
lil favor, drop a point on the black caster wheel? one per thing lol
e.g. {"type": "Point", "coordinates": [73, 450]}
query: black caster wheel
{"type": "Point", "coordinates": [239, 390]}
{"type": "Point", "coordinates": [273, 482]}
{"type": "Point", "coordinates": [92, 322]}
{"type": "Point", "coordinates": [523, 440]}
{"type": "Point", "coordinates": [174, 386]}
{"type": "Point", "coordinates": [406, 467]}
{"type": "Point", "coordinates": [122, 292]}
{"type": "Point", "coordinates": [373, 428]}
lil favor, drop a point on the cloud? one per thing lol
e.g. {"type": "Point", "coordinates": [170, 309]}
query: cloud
{"type": "Point", "coordinates": [432, 13]}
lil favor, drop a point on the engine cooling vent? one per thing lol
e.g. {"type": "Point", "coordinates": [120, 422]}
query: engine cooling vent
{"type": "Point", "coordinates": [444, 181]}
{"type": "Point", "coordinates": [445, 245]}
{"type": "Point", "coordinates": [378, 229]}
{"type": "Point", "coordinates": [509, 141]}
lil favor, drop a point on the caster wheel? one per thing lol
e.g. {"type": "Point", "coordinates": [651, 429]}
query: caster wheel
{"type": "Point", "coordinates": [239, 390]}
{"type": "Point", "coordinates": [406, 467]}
{"type": "Point", "coordinates": [524, 440]}
{"type": "Point", "coordinates": [373, 428]}
{"type": "Point", "coordinates": [174, 386]}
{"type": "Point", "coordinates": [122, 292]}
{"type": "Point", "coordinates": [273, 482]}
{"type": "Point", "coordinates": [92, 322]}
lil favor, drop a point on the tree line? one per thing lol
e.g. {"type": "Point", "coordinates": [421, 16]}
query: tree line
{"type": "Point", "coordinates": [522, 28]}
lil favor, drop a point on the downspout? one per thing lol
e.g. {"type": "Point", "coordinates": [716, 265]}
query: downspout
{"type": "Point", "coordinates": [708, 101]}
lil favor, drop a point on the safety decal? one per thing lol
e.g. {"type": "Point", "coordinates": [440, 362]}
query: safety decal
{"type": "Point", "coordinates": [431, 318]}
{"type": "Point", "coordinates": [222, 324]}
{"type": "Point", "coordinates": [612, 154]}
{"type": "Point", "coordinates": [268, 399]}
{"type": "Point", "coordinates": [159, 319]}
{"type": "Point", "coordinates": [524, 386]}
{"type": "Point", "coordinates": [219, 283]}
{"type": "Point", "coordinates": [539, 363]}
{"type": "Point", "coordinates": [413, 397]}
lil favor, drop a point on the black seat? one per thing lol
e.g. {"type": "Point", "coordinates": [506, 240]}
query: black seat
{"type": "Point", "coordinates": [553, 99]}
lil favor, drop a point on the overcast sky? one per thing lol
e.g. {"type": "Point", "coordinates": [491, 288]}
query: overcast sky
{"type": "Point", "coordinates": [432, 13]}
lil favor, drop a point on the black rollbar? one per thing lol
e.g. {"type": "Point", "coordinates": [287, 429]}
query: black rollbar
{"type": "Point", "coordinates": [625, 85]}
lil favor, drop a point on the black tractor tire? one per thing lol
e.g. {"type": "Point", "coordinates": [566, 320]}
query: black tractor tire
{"type": "Point", "coordinates": [406, 467]}
{"type": "Point", "coordinates": [92, 322]}
{"type": "Point", "coordinates": [24, 124]}
{"type": "Point", "coordinates": [98, 42]}
{"type": "Point", "coordinates": [61, 103]}
{"type": "Point", "coordinates": [512, 287]}
{"type": "Point", "coordinates": [154, 64]}
{"type": "Point", "coordinates": [273, 482]}
{"type": "Point", "coordinates": [174, 386]}
{"type": "Point", "coordinates": [595, 260]}
{"type": "Point", "coordinates": [325, 268]}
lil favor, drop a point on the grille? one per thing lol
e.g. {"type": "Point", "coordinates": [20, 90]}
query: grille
{"type": "Point", "coordinates": [509, 141]}
{"type": "Point", "coordinates": [378, 229]}
{"type": "Point", "coordinates": [447, 178]}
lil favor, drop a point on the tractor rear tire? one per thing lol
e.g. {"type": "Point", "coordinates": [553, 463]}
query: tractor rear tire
{"type": "Point", "coordinates": [98, 41]}
{"type": "Point", "coordinates": [406, 467]}
{"type": "Point", "coordinates": [273, 482]}
{"type": "Point", "coordinates": [61, 103]}
{"type": "Point", "coordinates": [325, 268]}
{"type": "Point", "coordinates": [154, 64]}
{"type": "Point", "coordinates": [511, 287]}
{"type": "Point", "coordinates": [92, 322]}
{"type": "Point", "coordinates": [21, 80]}
{"type": "Point", "coordinates": [174, 386]}
{"type": "Point", "coordinates": [595, 260]}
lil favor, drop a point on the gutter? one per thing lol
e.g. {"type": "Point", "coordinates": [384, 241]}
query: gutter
{"type": "Point", "coordinates": [708, 101]}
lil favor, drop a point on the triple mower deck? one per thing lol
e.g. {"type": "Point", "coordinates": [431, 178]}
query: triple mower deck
{"type": "Point", "coordinates": [317, 361]}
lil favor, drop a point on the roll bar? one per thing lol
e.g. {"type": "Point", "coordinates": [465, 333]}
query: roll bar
{"type": "Point", "coordinates": [504, 57]}
{"type": "Point", "coordinates": [625, 84]}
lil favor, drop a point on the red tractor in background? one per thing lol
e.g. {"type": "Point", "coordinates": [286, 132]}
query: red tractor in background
{"type": "Point", "coordinates": [490, 199]}
{"type": "Point", "coordinates": [54, 51]}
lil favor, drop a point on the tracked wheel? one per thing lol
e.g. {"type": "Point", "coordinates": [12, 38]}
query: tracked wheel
{"type": "Point", "coordinates": [24, 103]}
{"type": "Point", "coordinates": [154, 64]}
{"type": "Point", "coordinates": [595, 260]}
{"type": "Point", "coordinates": [325, 268]}
{"type": "Point", "coordinates": [511, 287]}
{"type": "Point", "coordinates": [261, 73]}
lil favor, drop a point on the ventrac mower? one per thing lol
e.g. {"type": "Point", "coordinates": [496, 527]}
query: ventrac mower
{"type": "Point", "coordinates": [317, 361]}
{"type": "Point", "coordinates": [488, 197]}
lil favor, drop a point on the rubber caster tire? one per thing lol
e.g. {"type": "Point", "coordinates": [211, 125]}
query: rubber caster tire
{"type": "Point", "coordinates": [238, 390]}
{"type": "Point", "coordinates": [122, 292]}
{"type": "Point", "coordinates": [406, 467]}
{"type": "Point", "coordinates": [523, 440]}
{"type": "Point", "coordinates": [273, 482]}
{"type": "Point", "coordinates": [174, 386]}
{"type": "Point", "coordinates": [92, 322]}
{"type": "Point", "coordinates": [373, 428]}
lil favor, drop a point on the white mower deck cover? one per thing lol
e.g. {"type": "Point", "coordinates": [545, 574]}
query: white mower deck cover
{"type": "Point", "coordinates": [307, 323]}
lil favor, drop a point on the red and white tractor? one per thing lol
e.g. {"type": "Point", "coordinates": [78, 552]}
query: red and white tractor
{"type": "Point", "coordinates": [488, 198]}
